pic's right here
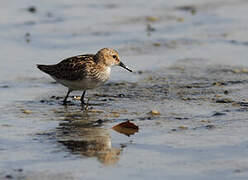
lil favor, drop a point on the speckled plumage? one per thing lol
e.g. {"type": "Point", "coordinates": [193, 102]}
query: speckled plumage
{"type": "Point", "coordinates": [84, 72]}
{"type": "Point", "coordinates": [73, 68]}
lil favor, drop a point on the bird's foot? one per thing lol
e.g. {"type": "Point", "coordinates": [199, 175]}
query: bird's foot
{"type": "Point", "coordinates": [64, 103]}
{"type": "Point", "coordinates": [84, 105]}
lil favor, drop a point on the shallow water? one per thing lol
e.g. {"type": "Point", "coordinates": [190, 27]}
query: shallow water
{"type": "Point", "coordinates": [191, 65]}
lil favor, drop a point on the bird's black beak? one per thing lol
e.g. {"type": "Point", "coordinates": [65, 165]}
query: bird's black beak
{"type": "Point", "coordinates": [125, 67]}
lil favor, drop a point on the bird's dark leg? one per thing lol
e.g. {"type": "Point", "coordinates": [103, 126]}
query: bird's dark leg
{"type": "Point", "coordinates": [82, 98]}
{"type": "Point", "coordinates": [69, 91]}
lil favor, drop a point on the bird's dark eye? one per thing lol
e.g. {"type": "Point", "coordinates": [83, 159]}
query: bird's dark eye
{"type": "Point", "coordinates": [114, 56]}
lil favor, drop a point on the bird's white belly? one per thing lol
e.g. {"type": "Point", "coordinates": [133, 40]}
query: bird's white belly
{"type": "Point", "coordinates": [86, 83]}
{"type": "Point", "coordinates": [83, 84]}
{"type": "Point", "coordinates": [80, 84]}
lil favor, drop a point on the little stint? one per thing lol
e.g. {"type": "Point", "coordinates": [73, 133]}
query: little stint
{"type": "Point", "coordinates": [84, 72]}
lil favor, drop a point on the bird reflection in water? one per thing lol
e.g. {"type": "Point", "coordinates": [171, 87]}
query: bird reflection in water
{"type": "Point", "coordinates": [81, 134]}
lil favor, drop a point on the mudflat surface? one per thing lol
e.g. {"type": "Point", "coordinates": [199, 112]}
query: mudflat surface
{"type": "Point", "coordinates": [188, 95]}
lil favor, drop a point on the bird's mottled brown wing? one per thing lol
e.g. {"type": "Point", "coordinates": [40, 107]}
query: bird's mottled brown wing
{"type": "Point", "coordinates": [73, 68]}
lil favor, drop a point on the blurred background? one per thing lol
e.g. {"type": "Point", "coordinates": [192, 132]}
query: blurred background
{"type": "Point", "coordinates": [148, 34]}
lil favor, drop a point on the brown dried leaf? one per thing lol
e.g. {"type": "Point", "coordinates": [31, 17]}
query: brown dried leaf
{"type": "Point", "coordinates": [126, 128]}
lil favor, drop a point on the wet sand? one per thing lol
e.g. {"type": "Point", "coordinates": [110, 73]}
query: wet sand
{"type": "Point", "coordinates": [191, 67]}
